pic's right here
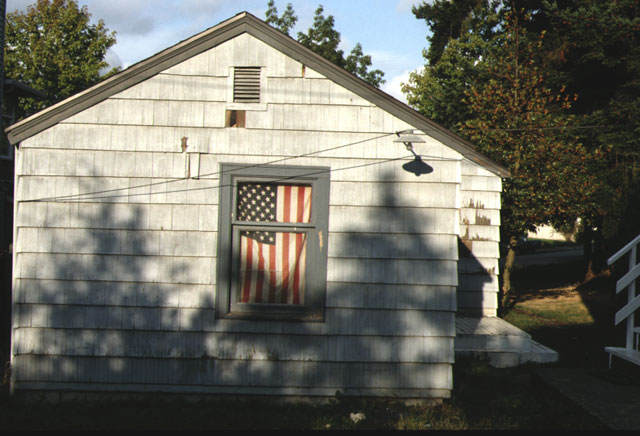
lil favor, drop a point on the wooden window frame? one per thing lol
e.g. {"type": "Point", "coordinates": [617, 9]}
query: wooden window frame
{"type": "Point", "coordinates": [228, 247]}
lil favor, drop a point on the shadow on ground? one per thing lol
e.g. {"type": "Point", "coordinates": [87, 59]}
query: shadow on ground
{"type": "Point", "coordinates": [578, 344]}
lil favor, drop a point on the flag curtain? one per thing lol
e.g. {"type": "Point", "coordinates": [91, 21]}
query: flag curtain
{"type": "Point", "coordinates": [273, 262]}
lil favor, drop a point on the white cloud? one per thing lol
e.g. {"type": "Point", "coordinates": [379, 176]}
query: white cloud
{"type": "Point", "coordinates": [405, 5]}
{"type": "Point", "coordinates": [394, 84]}
{"type": "Point", "coordinates": [126, 17]}
{"type": "Point", "coordinates": [112, 59]}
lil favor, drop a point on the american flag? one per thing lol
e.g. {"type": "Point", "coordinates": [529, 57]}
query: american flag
{"type": "Point", "coordinates": [272, 263]}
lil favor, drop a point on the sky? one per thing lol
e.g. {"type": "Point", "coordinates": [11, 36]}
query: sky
{"type": "Point", "coordinates": [386, 29]}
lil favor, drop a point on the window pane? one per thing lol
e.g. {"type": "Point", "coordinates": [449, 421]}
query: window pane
{"type": "Point", "coordinates": [272, 202]}
{"type": "Point", "coordinates": [272, 267]}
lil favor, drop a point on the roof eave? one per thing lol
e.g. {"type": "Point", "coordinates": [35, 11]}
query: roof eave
{"type": "Point", "coordinates": [241, 23]}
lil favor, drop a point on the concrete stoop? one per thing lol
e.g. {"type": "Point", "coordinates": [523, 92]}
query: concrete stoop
{"type": "Point", "coordinates": [501, 343]}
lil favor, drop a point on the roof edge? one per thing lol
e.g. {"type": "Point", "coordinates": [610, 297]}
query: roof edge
{"type": "Point", "coordinates": [132, 75]}
{"type": "Point", "coordinates": [241, 23]}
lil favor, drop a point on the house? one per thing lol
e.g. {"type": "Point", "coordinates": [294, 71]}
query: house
{"type": "Point", "coordinates": [144, 260]}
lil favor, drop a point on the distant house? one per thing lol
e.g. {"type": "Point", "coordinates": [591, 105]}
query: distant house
{"type": "Point", "coordinates": [238, 215]}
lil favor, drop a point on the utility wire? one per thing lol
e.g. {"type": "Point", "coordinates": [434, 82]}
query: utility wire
{"type": "Point", "coordinates": [312, 173]}
{"type": "Point", "coordinates": [95, 194]}
{"type": "Point", "coordinates": [164, 182]}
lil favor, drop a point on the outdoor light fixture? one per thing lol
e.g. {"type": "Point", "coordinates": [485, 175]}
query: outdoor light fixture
{"type": "Point", "coordinates": [408, 138]}
{"type": "Point", "coordinates": [416, 166]}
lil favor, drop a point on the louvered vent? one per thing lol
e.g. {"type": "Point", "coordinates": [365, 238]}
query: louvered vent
{"type": "Point", "coordinates": [246, 85]}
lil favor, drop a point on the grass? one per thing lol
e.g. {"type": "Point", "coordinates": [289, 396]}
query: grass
{"type": "Point", "coordinates": [574, 318]}
{"type": "Point", "coordinates": [548, 302]}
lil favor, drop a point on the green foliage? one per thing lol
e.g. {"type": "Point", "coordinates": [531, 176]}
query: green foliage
{"type": "Point", "coordinates": [284, 23]}
{"type": "Point", "coordinates": [358, 63]}
{"type": "Point", "coordinates": [522, 124]}
{"type": "Point", "coordinates": [461, 31]}
{"type": "Point", "coordinates": [438, 90]}
{"type": "Point", "coordinates": [490, 84]}
{"type": "Point", "coordinates": [599, 58]}
{"type": "Point", "coordinates": [590, 49]}
{"type": "Point", "coordinates": [324, 39]}
{"type": "Point", "coordinates": [53, 48]}
{"type": "Point", "coordinates": [451, 20]}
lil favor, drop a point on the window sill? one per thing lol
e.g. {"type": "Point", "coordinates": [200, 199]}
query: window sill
{"type": "Point", "coordinates": [288, 316]}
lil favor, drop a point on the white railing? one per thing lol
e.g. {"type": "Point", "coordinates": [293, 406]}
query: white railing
{"type": "Point", "coordinates": [630, 351]}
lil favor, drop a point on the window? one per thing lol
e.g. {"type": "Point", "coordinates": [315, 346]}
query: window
{"type": "Point", "coordinates": [272, 245]}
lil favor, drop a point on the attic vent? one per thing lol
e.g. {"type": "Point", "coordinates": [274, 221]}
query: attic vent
{"type": "Point", "coordinates": [246, 85]}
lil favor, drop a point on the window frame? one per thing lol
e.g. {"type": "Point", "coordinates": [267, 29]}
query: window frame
{"type": "Point", "coordinates": [229, 229]}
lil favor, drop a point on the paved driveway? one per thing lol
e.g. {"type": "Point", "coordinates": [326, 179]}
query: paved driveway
{"type": "Point", "coordinates": [550, 256]}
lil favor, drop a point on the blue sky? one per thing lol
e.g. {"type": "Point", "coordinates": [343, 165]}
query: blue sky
{"type": "Point", "coordinates": [387, 29]}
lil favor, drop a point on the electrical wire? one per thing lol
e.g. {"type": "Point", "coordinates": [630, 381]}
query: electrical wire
{"type": "Point", "coordinates": [164, 182]}
{"type": "Point", "coordinates": [93, 195]}
{"type": "Point", "coordinates": [281, 179]}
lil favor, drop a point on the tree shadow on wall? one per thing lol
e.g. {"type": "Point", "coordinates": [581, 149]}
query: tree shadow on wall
{"type": "Point", "coordinates": [390, 309]}
{"type": "Point", "coordinates": [113, 305]}
{"type": "Point", "coordinates": [473, 275]}
{"type": "Point", "coordinates": [104, 302]}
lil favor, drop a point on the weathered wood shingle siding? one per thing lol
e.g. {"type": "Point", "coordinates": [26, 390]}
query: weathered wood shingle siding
{"type": "Point", "coordinates": [117, 291]}
{"type": "Point", "coordinates": [480, 241]}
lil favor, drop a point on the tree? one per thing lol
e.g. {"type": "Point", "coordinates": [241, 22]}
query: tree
{"type": "Point", "coordinates": [461, 32]}
{"type": "Point", "coordinates": [438, 90]}
{"type": "Point", "coordinates": [591, 49]}
{"type": "Point", "coordinates": [451, 20]}
{"type": "Point", "coordinates": [53, 48]}
{"type": "Point", "coordinates": [323, 39]}
{"type": "Point", "coordinates": [284, 23]}
{"type": "Point", "coordinates": [598, 56]}
{"type": "Point", "coordinates": [521, 123]}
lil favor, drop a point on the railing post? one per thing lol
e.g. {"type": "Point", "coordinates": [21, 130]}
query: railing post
{"type": "Point", "coordinates": [631, 293]}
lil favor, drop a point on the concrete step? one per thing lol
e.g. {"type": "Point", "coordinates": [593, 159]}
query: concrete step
{"type": "Point", "coordinates": [539, 354]}
{"type": "Point", "coordinates": [489, 334]}
{"type": "Point", "coordinates": [501, 343]}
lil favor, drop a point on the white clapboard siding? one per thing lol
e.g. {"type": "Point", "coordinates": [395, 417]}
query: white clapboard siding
{"type": "Point", "coordinates": [272, 377]}
{"type": "Point", "coordinates": [148, 344]}
{"type": "Point", "coordinates": [339, 321]}
{"type": "Point", "coordinates": [113, 293]}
